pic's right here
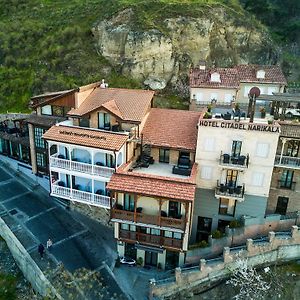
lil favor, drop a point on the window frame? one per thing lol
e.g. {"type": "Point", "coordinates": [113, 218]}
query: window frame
{"type": "Point", "coordinates": [222, 212]}
{"type": "Point", "coordinates": [163, 158]}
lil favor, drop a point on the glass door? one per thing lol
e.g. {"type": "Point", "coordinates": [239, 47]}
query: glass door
{"type": "Point", "coordinates": [236, 148]}
{"type": "Point", "coordinates": [231, 178]}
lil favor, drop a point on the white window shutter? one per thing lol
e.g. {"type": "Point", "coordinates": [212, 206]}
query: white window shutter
{"type": "Point", "coordinates": [209, 144]}
{"type": "Point", "coordinates": [206, 172]}
{"type": "Point", "coordinates": [262, 150]}
{"type": "Point", "coordinates": [258, 178]}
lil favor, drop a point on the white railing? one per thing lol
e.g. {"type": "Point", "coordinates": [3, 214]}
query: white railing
{"type": "Point", "coordinates": [80, 167]}
{"type": "Point", "coordinates": [287, 161]}
{"type": "Point", "coordinates": [80, 196]}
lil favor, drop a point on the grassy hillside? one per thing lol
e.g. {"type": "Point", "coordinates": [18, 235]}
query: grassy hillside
{"type": "Point", "coordinates": [47, 45]}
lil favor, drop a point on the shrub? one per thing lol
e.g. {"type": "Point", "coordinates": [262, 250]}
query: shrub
{"type": "Point", "coordinates": [217, 234]}
{"type": "Point", "coordinates": [207, 115]}
{"type": "Point", "coordinates": [202, 244]}
{"type": "Point", "coordinates": [234, 224]}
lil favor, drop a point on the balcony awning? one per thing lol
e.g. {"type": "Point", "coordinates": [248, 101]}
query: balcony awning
{"type": "Point", "coordinates": [148, 248]}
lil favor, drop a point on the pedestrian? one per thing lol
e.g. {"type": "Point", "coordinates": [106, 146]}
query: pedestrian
{"type": "Point", "coordinates": [41, 250]}
{"type": "Point", "coordinates": [49, 244]}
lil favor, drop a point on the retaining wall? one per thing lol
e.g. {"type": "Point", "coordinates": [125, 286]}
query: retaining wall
{"type": "Point", "coordinates": [280, 247]}
{"type": "Point", "coordinates": [27, 265]}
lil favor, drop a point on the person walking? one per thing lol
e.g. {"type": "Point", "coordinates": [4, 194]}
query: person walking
{"type": "Point", "coordinates": [41, 250]}
{"type": "Point", "coordinates": [49, 244]}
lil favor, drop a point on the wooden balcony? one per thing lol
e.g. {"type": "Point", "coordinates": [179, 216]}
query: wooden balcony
{"type": "Point", "coordinates": [288, 162]}
{"type": "Point", "coordinates": [71, 165]}
{"type": "Point", "coordinates": [147, 239]}
{"type": "Point", "coordinates": [147, 219]}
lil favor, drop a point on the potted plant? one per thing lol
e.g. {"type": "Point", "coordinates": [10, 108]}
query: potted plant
{"type": "Point", "coordinates": [207, 115]}
{"type": "Point", "coordinates": [209, 107]}
{"type": "Point", "coordinates": [262, 112]}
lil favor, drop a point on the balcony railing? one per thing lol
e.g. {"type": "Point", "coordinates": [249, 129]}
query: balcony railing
{"type": "Point", "coordinates": [155, 240]}
{"type": "Point", "coordinates": [80, 196]}
{"type": "Point", "coordinates": [287, 162]}
{"type": "Point", "coordinates": [147, 219]}
{"type": "Point", "coordinates": [230, 191]}
{"type": "Point", "coordinates": [241, 161]}
{"type": "Point", "coordinates": [66, 164]}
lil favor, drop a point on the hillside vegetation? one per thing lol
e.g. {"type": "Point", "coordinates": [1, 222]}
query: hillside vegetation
{"type": "Point", "coordinates": [47, 45]}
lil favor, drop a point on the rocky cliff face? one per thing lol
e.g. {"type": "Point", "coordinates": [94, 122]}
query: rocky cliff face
{"type": "Point", "coordinates": [164, 55]}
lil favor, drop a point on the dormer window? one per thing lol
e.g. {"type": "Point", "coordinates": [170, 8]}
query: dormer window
{"type": "Point", "coordinates": [260, 74]}
{"type": "Point", "coordinates": [215, 77]}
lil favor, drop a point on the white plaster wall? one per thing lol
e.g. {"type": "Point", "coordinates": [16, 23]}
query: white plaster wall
{"type": "Point", "coordinates": [207, 92]}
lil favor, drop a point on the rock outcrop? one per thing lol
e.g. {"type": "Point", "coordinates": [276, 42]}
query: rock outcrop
{"type": "Point", "coordinates": [164, 54]}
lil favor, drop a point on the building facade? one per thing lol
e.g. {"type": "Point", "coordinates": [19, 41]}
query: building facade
{"type": "Point", "coordinates": [235, 160]}
{"type": "Point", "coordinates": [154, 193]}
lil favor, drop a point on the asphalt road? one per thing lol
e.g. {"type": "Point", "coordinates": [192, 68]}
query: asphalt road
{"type": "Point", "coordinates": [35, 217]}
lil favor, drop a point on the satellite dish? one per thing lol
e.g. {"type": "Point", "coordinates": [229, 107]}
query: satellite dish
{"type": "Point", "coordinates": [255, 91]}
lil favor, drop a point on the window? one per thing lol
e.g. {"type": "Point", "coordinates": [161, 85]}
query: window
{"type": "Point", "coordinates": [231, 178]}
{"type": "Point", "coordinates": [292, 148]}
{"type": "Point", "coordinates": [227, 207]}
{"type": "Point", "coordinates": [110, 160]}
{"type": "Point", "coordinates": [174, 209]}
{"type": "Point", "coordinates": [209, 144]}
{"type": "Point", "coordinates": [173, 235]}
{"type": "Point", "coordinates": [128, 227]}
{"type": "Point", "coordinates": [38, 137]}
{"type": "Point", "coordinates": [282, 204]}
{"type": "Point", "coordinates": [103, 121]}
{"type": "Point", "coordinates": [262, 150]}
{"type": "Point", "coordinates": [260, 74]}
{"type": "Point", "coordinates": [41, 159]}
{"type": "Point", "coordinates": [47, 110]}
{"type": "Point", "coordinates": [128, 202]}
{"type": "Point", "coordinates": [286, 180]}
{"type": "Point", "coordinates": [155, 231]}
{"type": "Point", "coordinates": [164, 155]}
{"type": "Point", "coordinates": [206, 172]}
{"type": "Point", "coordinates": [84, 122]}
{"type": "Point", "coordinates": [215, 77]}
{"type": "Point", "coordinates": [258, 178]}
{"type": "Point", "coordinates": [58, 111]}
{"type": "Point", "coordinates": [236, 148]}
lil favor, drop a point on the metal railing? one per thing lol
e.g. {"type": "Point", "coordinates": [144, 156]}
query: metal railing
{"type": "Point", "coordinates": [230, 191]}
{"type": "Point", "coordinates": [66, 164]}
{"type": "Point", "coordinates": [287, 161]}
{"type": "Point", "coordinates": [241, 161]}
{"type": "Point", "coordinates": [80, 196]}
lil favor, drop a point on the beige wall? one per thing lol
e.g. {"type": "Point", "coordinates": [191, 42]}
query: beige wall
{"type": "Point", "coordinates": [174, 154]}
{"type": "Point", "coordinates": [207, 94]}
{"type": "Point", "coordinates": [220, 139]}
{"type": "Point", "coordinates": [94, 119]}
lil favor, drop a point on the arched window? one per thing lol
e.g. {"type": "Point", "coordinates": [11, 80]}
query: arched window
{"type": "Point", "coordinates": [260, 74]}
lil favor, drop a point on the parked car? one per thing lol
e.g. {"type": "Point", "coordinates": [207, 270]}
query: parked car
{"type": "Point", "coordinates": [127, 261]}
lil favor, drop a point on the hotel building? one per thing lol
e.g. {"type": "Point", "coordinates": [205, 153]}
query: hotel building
{"type": "Point", "coordinates": [222, 86]}
{"type": "Point", "coordinates": [99, 136]}
{"type": "Point", "coordinates": [235, 159]}
{"type": "Point", "coordinates": [154, 192]}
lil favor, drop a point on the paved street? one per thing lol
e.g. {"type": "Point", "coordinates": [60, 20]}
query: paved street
{"type": "Point", "coordinates": [34, 217]}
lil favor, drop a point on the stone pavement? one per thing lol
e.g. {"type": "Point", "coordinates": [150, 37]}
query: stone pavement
{"type": "Point", "coordinates": [78, 242]}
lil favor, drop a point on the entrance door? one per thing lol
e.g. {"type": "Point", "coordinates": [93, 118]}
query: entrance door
{"type": "Point", "coordinates": [203, 229]}
{"type": "Point", "coordinates": [282, 204]}
{"type": "Point", "coordinates": [150, 258]}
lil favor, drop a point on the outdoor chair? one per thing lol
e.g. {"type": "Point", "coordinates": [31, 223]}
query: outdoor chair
{"type": "Point", "coordinates": [226, 158]}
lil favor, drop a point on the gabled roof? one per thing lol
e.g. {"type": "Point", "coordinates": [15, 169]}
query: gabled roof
{"type": "Point", "coordinates": [151, 186]}
{"type": "Point", "coordinates": [128, 104]}
{"type": "Point", "coordinates": [171, 128]}
{"type": "Point", "coordinates": [86, 137]}
{"type": "Point", "coordinates": [273, 74]}
{"type": "Point", "coordinates": [202, 78]}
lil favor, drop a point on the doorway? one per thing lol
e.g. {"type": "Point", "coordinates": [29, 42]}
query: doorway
{"type": "Point", "coordinates": [150, 258]}
{"type": "Point", "coordinates": [282, 204]}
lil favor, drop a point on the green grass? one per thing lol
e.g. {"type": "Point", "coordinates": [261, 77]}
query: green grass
{"type": "Point", "coordinates": [7, 287]}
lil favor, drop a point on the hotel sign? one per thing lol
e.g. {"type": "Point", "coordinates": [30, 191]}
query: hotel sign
{"type": "Point", "coordinates": [82, 135]}
{"type": "Point", "coordinates": [240, 126]}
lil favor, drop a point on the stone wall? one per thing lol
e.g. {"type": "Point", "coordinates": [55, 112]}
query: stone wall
{"type": "Point", "coordinates": [279, 248]}
{"type": "Point", "coordinates": [27, 265]}
{"type": "Point", "coordinates": [12, 116]}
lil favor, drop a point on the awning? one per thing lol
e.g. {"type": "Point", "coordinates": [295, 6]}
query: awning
{"type": "Point", "coordinates": [148, 248]}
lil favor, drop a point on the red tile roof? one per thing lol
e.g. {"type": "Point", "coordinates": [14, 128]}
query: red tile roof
{"type": "Point", "coordinates": [201, 78]}
{"type": "Point", "coordinates": [127, 104]}
{"type": "Point", "coordinates": [152, 186]}
{"type": "Point", "coordinates": [171, 128]}
{"type": "Point", "coordinates": [231, 77]}
{"type": "Point", "coordinates": [86, 137]}
{"type": "Point", "coordinates": [273, 74]}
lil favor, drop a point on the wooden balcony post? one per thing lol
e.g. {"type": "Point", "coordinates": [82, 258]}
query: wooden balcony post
{"type": "Point", "coordinates": [159, 212]}
{"type": "Point", "coordinates": [282, 149]}
{"type": "Point", "coordinates": [135, 204]}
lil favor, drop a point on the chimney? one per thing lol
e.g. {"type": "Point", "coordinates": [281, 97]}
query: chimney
{"type": "Point", "coordinates": [103, 84]}
{"type": "Point", "coordinates": [202, 65]}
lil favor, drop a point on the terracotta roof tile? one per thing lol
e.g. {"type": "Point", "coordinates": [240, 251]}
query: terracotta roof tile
{"type": "Point", "coordinates": [290, 130]}
{"type": "Point", "coordinates": [201, 78]}
{"type": "Point", "coordinates": [131, 104]}
{"type": "Point", "coordinates": [113, 108]}
{"type": "Point", "coordinates": [150, 186]}
{"type": "Point", "coordinates": [45, 121]}
{"type": "Point", "coordinates": [171, 128]}
{"type": "Point", "coordinates": [86, 137]}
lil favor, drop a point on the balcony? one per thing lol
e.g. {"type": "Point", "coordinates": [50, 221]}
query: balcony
{"type": "Point", "coordinates": [230, 191]}
{"type": "Point", "coordinates": [71, 165]}
{"type": "Point", "coordinates": [234, 162]}
{"type": "Point", "coordinates": [288, 162]}
{"type": "Point", "coordinates": [80, 196]}
{"type": "Point", "coordinates": [147, 219]}
{"type": "Point", "coordinates": [153, 240]}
